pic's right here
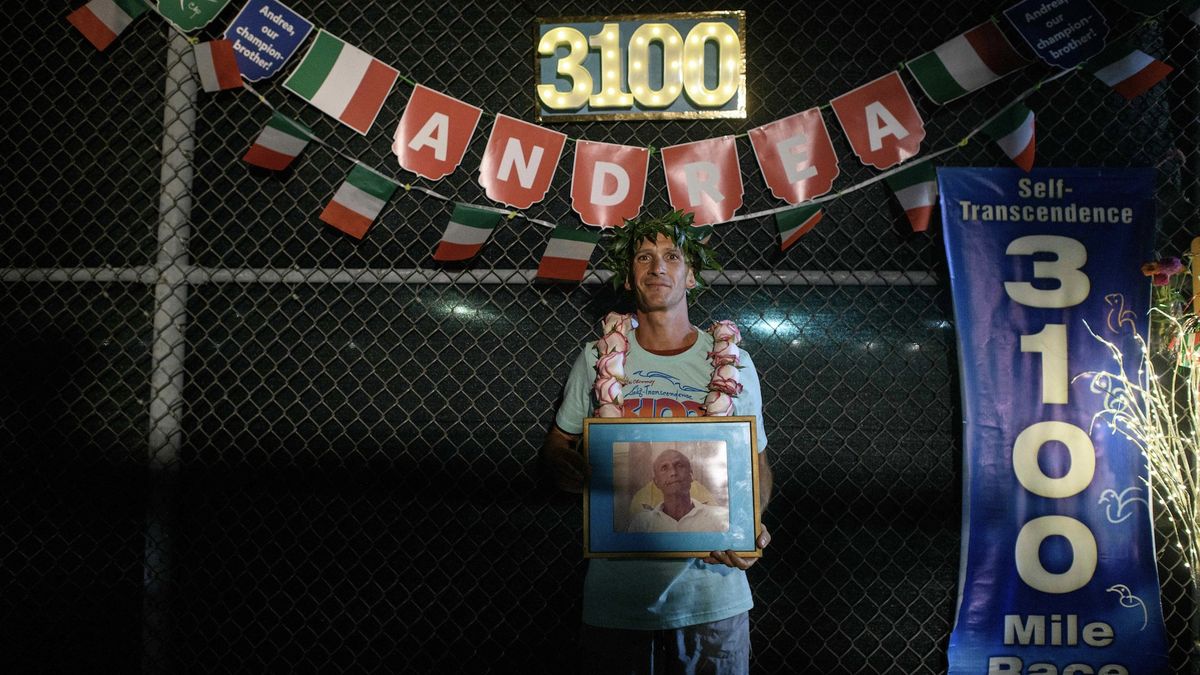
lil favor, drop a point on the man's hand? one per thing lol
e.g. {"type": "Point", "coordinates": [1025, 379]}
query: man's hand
{"type": "Point", "coordinates": [562, 463]}
{"type": "Point", "coordinates": [731, 559]}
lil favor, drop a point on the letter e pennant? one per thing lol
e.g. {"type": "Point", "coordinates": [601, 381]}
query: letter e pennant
{"type": "Point", "coordinates": [796, 156]}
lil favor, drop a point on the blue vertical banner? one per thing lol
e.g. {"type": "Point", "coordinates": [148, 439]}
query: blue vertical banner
{"type": "Point", "coordinates": [1058, 571]}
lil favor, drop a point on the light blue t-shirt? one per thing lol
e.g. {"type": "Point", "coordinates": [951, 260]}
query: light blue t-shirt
{"type": "Point", "coordinates": [660, 593]}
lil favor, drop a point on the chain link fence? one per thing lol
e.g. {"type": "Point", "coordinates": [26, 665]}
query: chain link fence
{"type": "Point", "coordinates": [235, 440]}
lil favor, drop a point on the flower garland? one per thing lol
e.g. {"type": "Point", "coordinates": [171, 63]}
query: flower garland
{"type": "Point", "coordinates": [613, 347]}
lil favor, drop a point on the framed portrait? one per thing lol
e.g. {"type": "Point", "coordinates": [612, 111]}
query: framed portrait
{"type": "Point", "coordinates": [670, 487]}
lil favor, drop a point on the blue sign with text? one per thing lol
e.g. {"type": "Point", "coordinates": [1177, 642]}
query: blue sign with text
{"type": "Point", "coordinates": [1063, 33]}
{"type": "Point", "coordinates": [265, 35]}
{"type": "Point", "coordinates": [1058, 571]}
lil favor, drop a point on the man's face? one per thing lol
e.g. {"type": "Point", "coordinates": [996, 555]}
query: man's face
{"type": "Point", "coordinates": [660, 276]}
{"type": "Point", "coordinates": [673, 473]}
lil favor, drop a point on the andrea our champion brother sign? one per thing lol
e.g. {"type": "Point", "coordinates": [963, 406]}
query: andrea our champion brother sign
{"type": "Point", "coordinates": [665, 66]}
{"type": "Point", "coordinates": [1058, 568]}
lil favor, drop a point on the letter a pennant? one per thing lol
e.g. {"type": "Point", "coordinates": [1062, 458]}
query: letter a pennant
{"type": "Point", "coordinates": [519, 162]}
{"type": "Point", "coordinates": [608, 183]}
{"type": "Point", "coordinates": [881, 121]}
{"type": "Point", "coordinates": [433, 133]}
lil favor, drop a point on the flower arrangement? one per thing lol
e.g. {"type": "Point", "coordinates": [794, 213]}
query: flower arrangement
{"type": "Point", "coordinates": [1155, 402]}
{"type": "Point", "coordinates": [613, 347]}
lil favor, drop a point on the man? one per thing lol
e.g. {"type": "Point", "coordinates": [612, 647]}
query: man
{"type": "Point", "coordinates": [678, 512]}
{"type": "Point", "coordinates": [659, 615]}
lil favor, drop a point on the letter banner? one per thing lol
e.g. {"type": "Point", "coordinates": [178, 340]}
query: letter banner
{"type": "Point", "coordinates": [433, 133]}
{"type": "Point", "coordinates": [1057, 570]}
{"type": "Point", "coordinates": [608, 183]}
{"type": "Point", "coordinates": [881, 121]}
{"type": "Point", "coordinates": [519, 162]}
{"type": "Point", "coordinates": [796, 156]}
{"type": "Point", "coordinates": [704, 179]}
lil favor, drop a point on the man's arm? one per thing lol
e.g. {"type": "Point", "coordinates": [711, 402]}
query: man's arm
{"type": "Point", "coordinates": [561, 462]}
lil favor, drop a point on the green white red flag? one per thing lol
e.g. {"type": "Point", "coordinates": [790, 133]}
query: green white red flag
{"type": "Point", "coordinates": [217, 65]}
{"type": "Point", "coordinates": [359, 201]}
{"type": "Point", "coordinates": [281, 141]}
{"type": "Point", "coordinates": [469, 228]}
{"type": "Point", "coordinates": [795, 223]}
{"type": "Point", "coordinates": [1013, 131]}
{"type": "Point", "coordinates": [916, 190]}
{"type": "Point", "coordinates": [343, 81]}
{"type": "Point", "coordinates": [101, 21]}
{"type": "Point", "coordinates": [1127, 69]}
{"type": "Point", "coordinates": [567, 254]}
{"type": "Point", "coordinates": [972, 60]}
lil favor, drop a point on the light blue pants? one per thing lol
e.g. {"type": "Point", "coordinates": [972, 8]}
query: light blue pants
{"type": "Point", "coordinates": [714, 648]}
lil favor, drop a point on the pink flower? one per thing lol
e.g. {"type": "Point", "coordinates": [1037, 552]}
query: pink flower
{"type": "Point", "coordinates": [725, 385]}
{"type": "Point", "coordinates": [611, 365]}
{"type": "Point", "coordinates": [718, 404]}
{"type": "Point", "coordinates": [615, 322]}
{"type": "Point", "coordinates": [727, 371]}
{"type": "Point", "coordinates": [612, 342]}
{"type": "Point", "coordinates": [610, 410]}
{"type": "Point", "coordinates": [724, 353]}
{"type": "Point", "coordinates": [726, 330]}
{"type": "Point", "coordinates": [1162, 270]}
{"type": "Point", "coordinates": [608, 390]}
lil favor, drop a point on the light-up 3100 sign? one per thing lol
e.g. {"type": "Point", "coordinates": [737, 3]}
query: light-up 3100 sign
{"type": "Point", "coordinates": [666, 66]}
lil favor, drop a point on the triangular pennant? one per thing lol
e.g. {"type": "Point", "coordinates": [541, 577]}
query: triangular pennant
{"type": "Point", "coordinates": [281, 141]}
{"type": "Point", "coordinates": [567, 254]}
{"type": "Point", "coordinates": [217, 65]}
{"type": "Point", "coordinates": [972, 60]}
{"type": "Point", "coordinates": [359, 201]}
{"type": "Point", "coordinates": [469, 228]}
{"type": "Point", "coordinates": [1127, 69]}
{"type": "Point", "coordinates": [795, 223]}
{"type": "Point", "coordinates": [1013, 131]}
{"type": "Point", "coordinates": [101, 21]}
{"type": "Point", "coordinates": [916, 190]}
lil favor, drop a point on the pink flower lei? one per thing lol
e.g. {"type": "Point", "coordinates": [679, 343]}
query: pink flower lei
{"type": "Point", "coordinates": [613, 347]}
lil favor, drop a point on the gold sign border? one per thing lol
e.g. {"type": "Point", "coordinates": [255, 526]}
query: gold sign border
{"type": "Point", "coordinates": [737, 113]}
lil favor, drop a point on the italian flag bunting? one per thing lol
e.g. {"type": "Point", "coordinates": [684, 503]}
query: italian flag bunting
{"type": "Point", "coordinates": [1127, 69]}
{"type": "Point", "coordinates": [358, 202]}
{"type": "Point", "coordinates": [101, 21]}
{"type": "Point", "coordinates": [795, 223]}
{"type": "Point", "coordinates": [470, 226]}
{"type": "Point", "coordinates": [217, 65]}
{"type": "Point", "coordinates": [281, 141]}
{"type": "Point", "coordinates": [916, 190]}
{"type": "Point", "coordinates": [1012, 130]}
{"type": "Point", "coordinates": [343, 81]}
{"type": "Point", "coordinates": [976, 58]}
{"type": "Point", "coordinates": [567, 255]}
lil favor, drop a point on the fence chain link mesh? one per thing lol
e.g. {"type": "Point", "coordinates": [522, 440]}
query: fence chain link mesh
{"type": "Point", "coordinates": [235, 440]}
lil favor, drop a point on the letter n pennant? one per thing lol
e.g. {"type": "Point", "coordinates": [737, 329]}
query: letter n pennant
{"type": "Point", "coordinates": [519, 162]}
